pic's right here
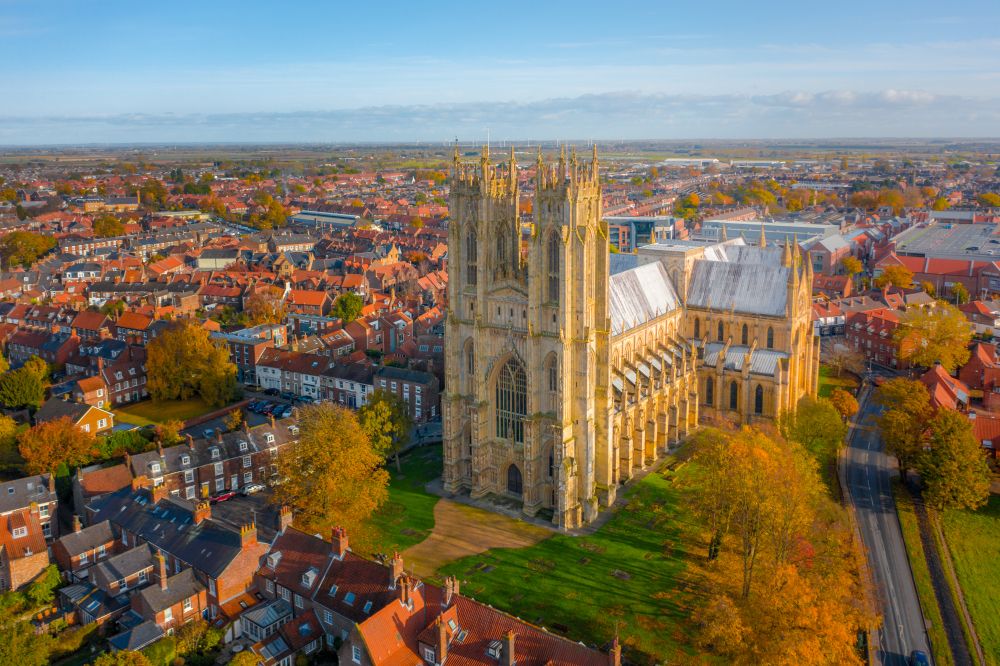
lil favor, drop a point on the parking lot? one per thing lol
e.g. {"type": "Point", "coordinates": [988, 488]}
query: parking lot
{"type": "Point", "coordinates": [253, 419]}
{"type": "Point", "coordinates": [255, 508]}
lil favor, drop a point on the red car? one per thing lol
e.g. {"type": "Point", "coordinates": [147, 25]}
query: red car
{"type": "Point", "coordinates": [222, 497]}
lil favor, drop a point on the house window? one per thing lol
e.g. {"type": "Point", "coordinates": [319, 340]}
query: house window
{"type": "Point", "coordinates": [189, 476]}
{"type": "Point", "coordinates": [102, 423]}
{"type": "Point", "coordinates": [168, 614]}
{"type": "Point", "coordinates": [20, 532]}
{"type": "Point", "coordinates": [285, 594]}
{"type": "Point", "coordinates": [125, 538]}
{"type": "Point", "coordinates": [189, 492]}
{"type": "Point", "coordinates": [429, 655]}
{"type": "Point", "coordinates": [187, 604]}
{"type": "Point", "coordinates": [100, 550]}
{"type": "Point", "coordinates": [142, 577]}
{"type": "Point", "coordinates": [122, 584]}
{"type": "Point", "coordinates": [328, 617]}
{"type": "Point", "coordinates": [185, 460]}
{"type": "Point", "coordinates": [83, 557]}
{"type": "Point", "coordinates": [211, 586]}
{"type": "Point", "coordinates": [247, 478]}
{"type": "Point", "coordinates": [243, 445]}
{"type": "Point", "coordinates": [246, 461]}
{"type": "Point", "coordinates": [269, 586]}
{"type": "Point", "coordinates": [355, 654]}
{"type": "Point", "coordinates": [220, 484]}
{"type": "Point", "coordinates": [218, 469]}
{"type": "Point", "coordinates": [298, 601]}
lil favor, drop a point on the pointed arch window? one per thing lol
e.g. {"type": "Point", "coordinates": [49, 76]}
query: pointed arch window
{"type": "Point", "coordinates": [709, 391]}
{"type": "Point", "coordinates": [770, 338]}
{"type": "Point", "coordinates": [511, 401]}
{"type": "Point", "coordinates": [745, 335]}
{"type": "Point", "coordinates": [721, 331]}
{"type": "Point", "coordinates": [734, 395]}
{"type": "Point", "coordinates": [552, 462]}
{"type": "Point", "coordinates": [515, 483]}
{"type": "Point", "coordinates": [551, 381]}
{"type": "Point", "coordinates": [758, 400]}
{"type": "Point", "coordinates": [552, 251]}
{"type": "Point", "coordinates": [502, 250]}
{"type": "Point", "coordinates": [697, 327]}
{"type": "Point", "coordinates": [472, 257]}
{"type": "Point", "coordinates": [470, 364]}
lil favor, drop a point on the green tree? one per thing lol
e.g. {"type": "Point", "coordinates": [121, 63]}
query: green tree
{"type": "Point", "coordinates": [39, 368]}
{"type": "Point", "coordinates": [244, 658]}
{"type": "Point", "coordinates": [348, 306]}
{"type": "Point", "coordinates": [990, 199]}
{"type": "Point", "coordinates": [19, 644]}
{"type": "Point", "coordinates": [184, 361]}
{"type": "Point", "coordinates": [817, 425]}
{"type": "Point", "coordinates": [8, 441]}
{"type": "Point", "coordinates": [23, 248]}
{"type": "Point", "coordinates": [41, 591]}
{"type": "Point", "coordinates": [107, 226]}
{"type": "Point", "coordinates": [938, 334]}
{"type": "Point", "coordinates": [386, 420]}
{"type": "Point", "coordinates": [905, 414]}
{"type": "Point", "coordinates": [21, 388]}
{"type": "Point", "coordinates": [953, 466]}
{"type": "Point", "coordinates": [113, 308]}
{"type": "Point", "coordinates": [124, 658]}
{"type": "Point", "coordinates": [332, 475]}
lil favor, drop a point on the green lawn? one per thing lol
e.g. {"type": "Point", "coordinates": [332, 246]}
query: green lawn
{"type": "Point", "coordinates": [408, 517]}
{"type": "Point", "coordinates": [151, 412]}
{"type": "Point", "coordinates": [626, 577]}
{"type": "Point", "coordinates": [922, 575]}
{"type": "Point", "coordinates": [974, 541]}
{"type": "Point", "coordinates": [828, 381]}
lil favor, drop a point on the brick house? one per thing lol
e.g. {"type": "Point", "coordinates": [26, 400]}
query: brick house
{"type": "Point", "coordinates": [347, 384]}
{"type": "Point", "coordinates": [38, 491]}
{"type": "Point", "coordinates": [82, 548]}
{"type": "Point", "coordinates": [23, 551]}
{"type": "Point", "coordinates": [89, 325]}
{"type": "Point", "coordinates": [133, 327]}
{"type": "Point", "coordinates": [87, 418]}
{"type": "Point", "coordinates": [309, 302]}
{"type": "Point", "coordinates": [297, 372]}
{"type": "Point", "coordinates": [418, 389]}
{"type": "Point", "coordinates": [871, 332]}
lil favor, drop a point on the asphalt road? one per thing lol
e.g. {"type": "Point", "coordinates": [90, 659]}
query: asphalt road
{"type": "Point", "coordinates": [868, 479]}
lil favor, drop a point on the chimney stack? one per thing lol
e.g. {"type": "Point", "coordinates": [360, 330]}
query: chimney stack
{"type": "Point", "coordinates": [404, 590]}
{"type": "Point", "coordinates": [339, 541]}
{"type": "Point", "coordinates": [202, 510]}
{"type": "Point", "coordinates": [162, 567]}
{"type": "Point", "coordinates": [450, 590]}
{"type": "Point", "coordinates": [284, 517]}
{"type": "Point", "coordinates": [218, 435]}
{"type": "Point", "coordinates": [395, 569]}
{"type": "Point", "coordinates": [272, 421]}
{"type": "Point", "coordinates": [52, 483]}
{"type": "Point", "coordinates": [77, 526]}
{"type": "Point", "coordinates": [442, 641]}
{"type": "Point", "coordinates": [615, 654]}
{"type": "Point", "coordinates": [507, 651]}
{"type": "Point", "coordinates": [248, 535]}
{"type": "Point", "coordinates": [190, 440]}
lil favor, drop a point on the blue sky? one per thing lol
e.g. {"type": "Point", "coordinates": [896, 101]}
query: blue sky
{"type": "Point", "coordinates": [79, 72]}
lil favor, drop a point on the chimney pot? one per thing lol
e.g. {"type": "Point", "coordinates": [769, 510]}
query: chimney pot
{"type": "Point", "coordinates": [340, 543]}
{"type": "Point", "coordinates": [77, 526]}
{"type": "Point", "coordinates": [442, 641]}
{"type": "Point", "coordinates": [161, 562]}
{"type": "Point", "coordinates": [615, 654]}
{"type": "Point", "coordinates": [395, 569]}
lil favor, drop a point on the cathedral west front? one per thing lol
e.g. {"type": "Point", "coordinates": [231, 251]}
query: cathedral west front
{"type": "Point", "coordinates": [568, 369]}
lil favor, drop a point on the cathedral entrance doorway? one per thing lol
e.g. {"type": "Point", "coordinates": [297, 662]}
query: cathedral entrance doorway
{"type": "Point", "coordinates": [515, 484]}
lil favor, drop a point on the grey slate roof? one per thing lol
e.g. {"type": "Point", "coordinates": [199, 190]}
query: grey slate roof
{"type": "Point", "coordinates": [137, 637]}
{"type": "Point", "coordinates": [179, 587]}
{"type": "Point", "coordinates": [751, 288]}
{"type": "Point", "coordinates": [622, 262]}
{"type": "Point", "coordinates": [762, 362]}
{"type": "Point", "coordinates": [54, 408]}
{"type": "Point", "coordinates": [87, 539]}
{"type": "Point", "coordinates": [126, 564]}
{"type": "Point", "coordinates": [639, 295]}
{"type": "Point", "coordinates": [20, 493]}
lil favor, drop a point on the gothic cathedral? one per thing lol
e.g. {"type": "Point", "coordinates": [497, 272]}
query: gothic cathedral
{"type": "Point", "coordinates": [567, 372]}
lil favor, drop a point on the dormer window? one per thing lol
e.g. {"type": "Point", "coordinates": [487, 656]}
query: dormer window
{"type": "Point", "coordinates": [333, 590]}
{"type": "Point", "coordinates": [269, 438]}
{"type": "Point", "coordinates": [185, 460]}
{"type": "Point", "coordinates": [243, 445]}
{"type": "Point", "coordinates": [493, 650]}
{"type": "Point", "coordinates": [273, 559]}
{"type": "Point", "coordinates": [215, 452]}
{"type": "Point", "coordinates": [155, 468]}
{"type": "Point", "coordinates": [308, 578]}
{"type": "Point", "coordinates": [20, 532]}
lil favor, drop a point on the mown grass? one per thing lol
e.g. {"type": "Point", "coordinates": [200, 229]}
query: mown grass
{"type": "Point", "coordinates": [974, 541]}
{"type": "Point", "coordinates": [152, 412]}
{"type": "Point", "coordinates": [828, 381]}
{"type": "Point", "coordinates": [408, 517]}
{"type": "Point", "coordinates": [922, 575]}
{"type": "Point", "coordinates": [627, 577]}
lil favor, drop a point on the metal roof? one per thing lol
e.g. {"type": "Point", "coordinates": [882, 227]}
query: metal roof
{"type": "Point", "coordinates": [762, 361]}
{"type": "Point", "coordinates": [753, 288]}
{"type": "Point", "coordinates": [640, 295]}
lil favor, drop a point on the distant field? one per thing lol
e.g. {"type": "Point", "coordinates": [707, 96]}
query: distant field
{"type": "Point", "coordinates": [828, 381]}
{"type": "Point", "coordinates": [151, 412]}
{"type": "Point", "coordinates": [974, 541]}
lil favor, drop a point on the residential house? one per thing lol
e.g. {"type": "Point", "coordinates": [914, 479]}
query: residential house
{"type": "Point", "coordinates": [87, 418]}
{"type": "Point", "coordinates": [419, 390]}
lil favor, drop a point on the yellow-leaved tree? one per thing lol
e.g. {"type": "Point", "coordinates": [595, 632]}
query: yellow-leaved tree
{"type": "Point", "coordinates": [937, 334]}
{"type": "Point", "coordinates": [332, 476]}
{"type": "Point", "coordinates": [183, 361]}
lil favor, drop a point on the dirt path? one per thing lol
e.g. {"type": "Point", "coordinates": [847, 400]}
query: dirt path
{"type": "Point", "coordinates": [460, 531]}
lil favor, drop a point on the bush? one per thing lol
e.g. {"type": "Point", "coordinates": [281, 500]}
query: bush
{"type": "Point", "coordinates": [42, 589]}
{"type": "Point", "coordinates": [71, 640]}
{"type": "Point", "coordinates": [117, 443]}
{"type": "Point", "coordinates": [162, 652]}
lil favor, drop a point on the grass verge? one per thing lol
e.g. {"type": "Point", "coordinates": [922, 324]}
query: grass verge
{"type": "Point", "coordinates": [974, 543]}
{"type": "Point", "coordinates": [921, 575]}
{"type": "Point", "coordinates": [828, 381]}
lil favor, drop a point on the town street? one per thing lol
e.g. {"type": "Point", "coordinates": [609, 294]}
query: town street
{"type": "Point", "coordinates": [868, 478]}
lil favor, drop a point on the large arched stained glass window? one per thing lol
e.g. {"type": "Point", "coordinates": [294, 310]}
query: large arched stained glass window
{"type": "Point", "coordinates": [512, 401]}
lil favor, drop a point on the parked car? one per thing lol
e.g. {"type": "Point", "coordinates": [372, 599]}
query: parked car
{"type": "Point", "coordinates": [271, 406]}
{"type": "Point", "coordinates": [251, 489]}
{"type": "Point", "coordinates": [271, 391]}
{"type": "Point", "coordinates": [288, 395]}
{"type": "Point", "coordinates": [919, 658]}
{"type": "Point", "coordinates": [255, 405]}
{"type": "Point", "coordinates": [224, 496]}
{"type": "Point", "coordinates": [284, 412]}
{"type": "Point", "coordinates": [208, 433]}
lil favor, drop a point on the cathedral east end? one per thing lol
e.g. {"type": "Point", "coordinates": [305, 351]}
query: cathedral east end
{"type": "Point", "coordinates": [569, 369]}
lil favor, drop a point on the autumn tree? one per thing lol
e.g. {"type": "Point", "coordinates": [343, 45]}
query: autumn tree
{"type": "Point", "coordinates": [845, 403]}
{"type": "Point", "coordinates": [38, 367]}
{"type": "Point", "coordinates": [8, 441]}
{"type": "Point", "coordinates": [107, 226]}
{"type": "Point", "coordinates": [959, 293]}
{"type": "Point", "coordinates": [23, 248]}
{"type": "Point", "coordinates": [844, 358]}
{"type": "Point", "coordinates": [265, 306]}
{"type": "Point", "coordinates": [348, 306]}
{"type": "Point", "coordinates": [386, 420]}
{"type": "Point", "coordinates": [244, 658]}
{"type": "Point", "coordinates": [21, 388]}
{"type": "Point", "coordinates": [905, 414]}
{"type": "Point", "coordinates": [989, 199]}
{"type": "Point", "coordinates": [234, 419]}
{"type": "Point", "coordinates": [332, 474]}
{"type": "Point", "coordinates": [895, 276]}
{"type": "Point", "coordinates": [940, 204]}
{"type": "Point", "coordinates": [19, 644]}
{"type": "Point", "coordinates": [168, 433]}
{"type": "Point", "coordinates": [713, 458]}
{"type": "Point", "coordinates": [930, 335]}
{"type": "Point", "coordinates": [183, 361]}
{"type": "Point", "coordinates": [52, 443]}
{"type": "Point", "coordinates": [953, 466]}
{"type": "Point", "coordinates": [928, 287]}
{"type": "Point", "coordinates": [851, 265]}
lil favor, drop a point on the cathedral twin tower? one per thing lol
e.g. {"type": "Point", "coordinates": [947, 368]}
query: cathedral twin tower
{"type": "Point", "coordinates": [562, 380]}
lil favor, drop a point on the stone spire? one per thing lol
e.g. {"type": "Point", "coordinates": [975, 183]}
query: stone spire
{"type": "Point", "coordinates": [763, 236]}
